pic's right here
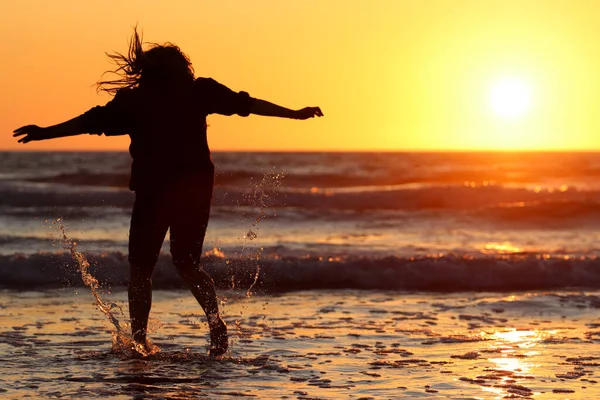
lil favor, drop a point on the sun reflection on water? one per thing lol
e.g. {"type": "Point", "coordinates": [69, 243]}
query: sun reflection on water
{"type": "Point", "coordinates": [516, 348]}
{"type": "Point", "coordinates": [502, 248]}
{"type": "Point", "coordinates": [521, 338]}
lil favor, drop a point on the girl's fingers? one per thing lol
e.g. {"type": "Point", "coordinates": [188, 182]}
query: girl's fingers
{"type": "Point", "coordinates": [317, 111]}
{"type": "Point", "coordinates": [24, 129]}
{"type": "Point", "coordinates": [21, 129]}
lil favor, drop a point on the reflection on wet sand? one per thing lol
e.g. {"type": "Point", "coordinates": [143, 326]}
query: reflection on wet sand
{"type": "Point", "coordinates": [316, 344]}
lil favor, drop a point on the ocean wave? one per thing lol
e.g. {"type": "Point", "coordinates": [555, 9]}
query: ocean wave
{"type": "Point", "coordinates": [324, 169]}
{"type": "Point", "coordinates": [86, 178]}
{"type": "Point", "coordinates": [446, 273]}
{"type": "Point", "coordinates": [121, 180]}
{"type": "Point", "coordinates": [548, 212]}
{"type": "Point", "coordinates": [459, 197]}
{"type": "Point", "coordinates": [360, 177]}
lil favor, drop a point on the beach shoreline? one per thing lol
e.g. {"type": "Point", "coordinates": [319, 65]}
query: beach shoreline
{"type": "Point", "coordinates": [309, 344]}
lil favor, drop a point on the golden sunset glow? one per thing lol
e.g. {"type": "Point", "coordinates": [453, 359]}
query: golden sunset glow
{"type": "Point", "coordinates": [389, 75]}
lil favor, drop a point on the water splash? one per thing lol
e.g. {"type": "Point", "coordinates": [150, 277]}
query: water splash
{"type": "Point", "coordinates": [123, 342]}
{"type": "Point", "coordinates": [261, 198]}
{"type": "Point", "coordinates": [256, 275]}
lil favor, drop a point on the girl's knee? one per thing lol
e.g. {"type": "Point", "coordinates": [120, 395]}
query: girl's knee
{"type": "Point", "coordinates": [141, 272]}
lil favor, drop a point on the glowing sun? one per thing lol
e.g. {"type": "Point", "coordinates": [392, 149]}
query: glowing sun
{"type": "Point", "coordinates": [510, 98]}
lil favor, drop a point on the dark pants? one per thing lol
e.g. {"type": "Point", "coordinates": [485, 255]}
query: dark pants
{"type": "Point", "coordinates": [183, 207]}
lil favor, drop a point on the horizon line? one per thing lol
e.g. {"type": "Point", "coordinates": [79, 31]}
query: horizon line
{"type": "Point", "coordinates": [324, 151]}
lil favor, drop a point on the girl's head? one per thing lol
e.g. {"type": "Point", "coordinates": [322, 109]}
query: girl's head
{"type": "Point", "coordinates": [161, 66]}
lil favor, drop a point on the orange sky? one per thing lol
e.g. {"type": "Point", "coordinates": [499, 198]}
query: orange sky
{"type": "Point", "coordinates": [389, 75]}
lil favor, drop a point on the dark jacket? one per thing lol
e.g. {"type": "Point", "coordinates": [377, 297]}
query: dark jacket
{"type": "Point", "coordinates": [167, 128]}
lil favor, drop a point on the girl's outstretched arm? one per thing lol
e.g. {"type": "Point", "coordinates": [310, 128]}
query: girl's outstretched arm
{"type": "Point", "coordinates": [111, 119]}
{"type": "Point", "coordinates": [263, 107]}
{"type": "Point", "coordinates": [30, 133]}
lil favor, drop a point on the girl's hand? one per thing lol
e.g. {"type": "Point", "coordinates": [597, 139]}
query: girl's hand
{"type": "Point", "coordinates": [30, 133]}
{"type": "Point", "coordinates": [308, 112]}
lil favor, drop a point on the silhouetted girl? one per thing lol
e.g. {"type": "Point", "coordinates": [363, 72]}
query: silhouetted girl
{"type": "Point", "coordinates": [162, 107]}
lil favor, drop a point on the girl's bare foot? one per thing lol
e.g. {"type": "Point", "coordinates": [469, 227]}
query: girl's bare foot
{"type": "Point", "coordinates": [218, 338]}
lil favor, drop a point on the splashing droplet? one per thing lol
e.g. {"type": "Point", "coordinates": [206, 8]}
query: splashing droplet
{"type": "Point", "coordinates": [123, 343]}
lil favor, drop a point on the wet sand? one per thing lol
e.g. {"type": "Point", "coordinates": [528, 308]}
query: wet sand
{"type": "Point", "coordinates": [309, 345]}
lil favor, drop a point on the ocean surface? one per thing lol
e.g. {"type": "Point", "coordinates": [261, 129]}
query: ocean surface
{"type": "Point", "coordinates": [340, 276]}
{"type": "Point", "coordinates": [288, 221]}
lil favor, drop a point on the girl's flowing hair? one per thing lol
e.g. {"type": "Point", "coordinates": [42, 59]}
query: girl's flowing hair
{"type": "Point", "coordinates": [160, 66]}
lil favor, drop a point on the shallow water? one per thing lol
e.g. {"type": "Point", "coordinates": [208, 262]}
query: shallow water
{"type": "Point", "coordinates": [313, 344]}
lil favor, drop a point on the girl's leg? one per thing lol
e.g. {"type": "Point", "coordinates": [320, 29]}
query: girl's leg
{"type": "Point", "coordinates": [140, 300]}
{"type": "Point", "coordinates": [147, 232]}
{"type": "Point", "coordinates": [188, 228]}
{"type": "Point", "coordinates": [202, 287]}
